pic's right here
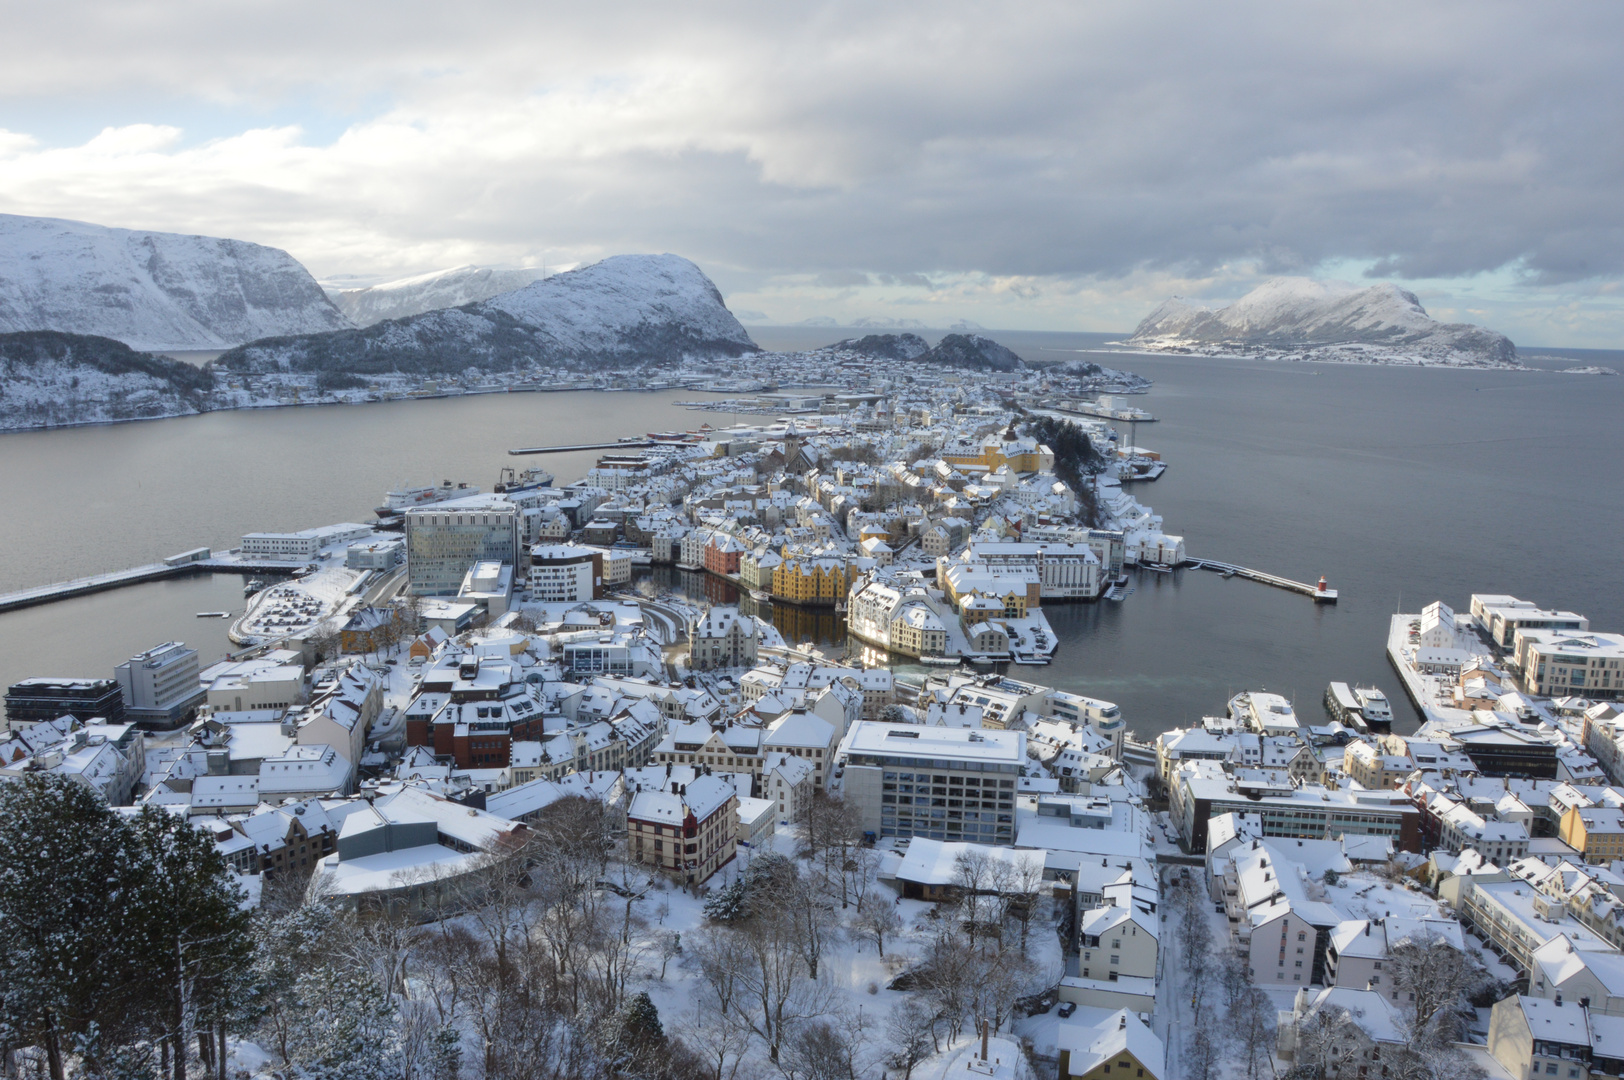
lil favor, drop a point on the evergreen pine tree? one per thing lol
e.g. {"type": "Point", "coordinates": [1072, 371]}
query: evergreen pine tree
{"type": "Point", "coordinates": [66, 877]}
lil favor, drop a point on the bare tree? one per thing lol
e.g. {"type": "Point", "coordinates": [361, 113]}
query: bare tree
{"type": "Point", "coordinates": [1251, 1021]}
{"type": "Point", "coordinates": [1235, 976]}
{"type": "Point", "coordinates": [877, 917]}
{"type": "Point", "coordinates": [1431, 976]}
{"type": "Point", "coordinates": [1327, 1043]}
{"type": "Point", "coordinates": [818, 1050]}
{"type": "Point", "coordinates": [911, 1033]}
{"type": "Point", "coordinates": [716, 1032]}
{"type": "Point", "coordinates": [669, 947]}
{"type": "Point", "coordinates": [1202, 1055]}
{"type": "Point", "coordinates": [812, 920]}
{"type": "Point", "coordinates": [774, 980]}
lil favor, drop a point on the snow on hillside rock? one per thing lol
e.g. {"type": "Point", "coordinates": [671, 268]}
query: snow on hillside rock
{"type": "Point", "coordinates": [973, 351]}
{"type": "Point", "coordinates": [429, 292]}
{"type": "Point", "coordinates": [884, 346]}
{"type": "Point", "coordinates": [152, 290]}
{"type": "Point", "coordinates": [50, 379]}
{"type": "Point", "coordinates": [1120, 381]}
{"type": "Point", "coordinates": [1297, 313]}
{"type": "Point", "coordinates": [623, 311]}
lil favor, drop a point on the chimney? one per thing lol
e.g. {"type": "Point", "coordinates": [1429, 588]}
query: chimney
{"type": "Point", "coordinates": [1559, 997]}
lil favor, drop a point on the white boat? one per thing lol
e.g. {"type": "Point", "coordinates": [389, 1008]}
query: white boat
{"type": "Point", "coordinates": [253, 586]}
{"type": "Point", "coordinates": [1373, 703]}
{"type": "Point", "coordinates": [214, 614]}
{"type": "Point", "coordinates": [761, 596]}
{"type": "Point", "coordinates": [404, 498]}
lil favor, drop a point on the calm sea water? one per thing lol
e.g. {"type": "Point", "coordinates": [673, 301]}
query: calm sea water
{"type": "Point", "coordinates": [1401, 486]}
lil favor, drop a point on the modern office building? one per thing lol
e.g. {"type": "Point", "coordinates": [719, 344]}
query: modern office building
{"type": "Point", "coordinates": [941, 783]}
{"type": "Point", "coordinates": [34, 701]}
{"type": "Point", "coordinates": [565, 573]}
{"type": "Point", "coordinates": [444, 540]}
{"type": "Point", "coordinates": [161, 686]}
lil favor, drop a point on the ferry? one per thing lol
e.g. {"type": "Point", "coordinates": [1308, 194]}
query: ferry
{"type": "Point", "coordinates": [1377, 710]}
{"type": "Point", "coordinates": [405, 498]}
{"type": "Point", "coordinates": [253, 586]}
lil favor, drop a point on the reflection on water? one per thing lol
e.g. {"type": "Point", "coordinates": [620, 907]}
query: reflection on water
{"type": "Point", "coordinates": [821, 626]}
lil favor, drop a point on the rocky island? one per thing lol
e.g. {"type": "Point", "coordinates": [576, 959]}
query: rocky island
{"type": "Point", "coordinates": [1297, 318]}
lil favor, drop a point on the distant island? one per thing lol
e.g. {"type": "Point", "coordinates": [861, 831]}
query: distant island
{"type": "Point", "coordinates": [1298, 318]}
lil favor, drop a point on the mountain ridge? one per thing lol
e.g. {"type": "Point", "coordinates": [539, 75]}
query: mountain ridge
{"type": "Point", "coordinates": [419, 293]}
{"type": "Point", "coordinates": [623, 311]}
{"type": "Point", "coordinates": [152, 290]}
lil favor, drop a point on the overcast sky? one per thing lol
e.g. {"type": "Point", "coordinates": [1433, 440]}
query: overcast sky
{"type": "Point", "coordinates": [1061, 166]}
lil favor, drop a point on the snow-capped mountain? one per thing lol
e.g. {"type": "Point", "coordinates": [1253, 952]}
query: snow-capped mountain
{"type": "Point", "coordinates": [152, 290]}
{"type": "Point", "coordinates": [625, 310]}
{"type": "Point", "coordinates": [428, 292]}
{"type": "Point", "coordinates": [1296, 313]}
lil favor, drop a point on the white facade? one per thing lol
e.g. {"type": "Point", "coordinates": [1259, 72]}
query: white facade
{"type": "Point", "coordinates": [161, 683]}
{"type": "Point", "coordinates": [943, 783]}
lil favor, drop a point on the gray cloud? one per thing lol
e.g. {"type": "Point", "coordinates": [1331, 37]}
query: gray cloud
{"type": "Point", "coordinates": [847, 145]}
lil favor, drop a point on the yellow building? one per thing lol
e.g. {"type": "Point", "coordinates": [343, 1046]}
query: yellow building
{"type": "Point", "coordinates": [1014, 593]}
{"type": "Point", "coordinates": [1119, 1048]}
{"type": "Point", "coordinates": [1594, 832]}
{"type": "Point", "coordinates": [1021, 455]}
{"type": "Point", "coordinates": [812, 581]}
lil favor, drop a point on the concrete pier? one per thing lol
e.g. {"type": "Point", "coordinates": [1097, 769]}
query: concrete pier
{"type": "Point", "coordinates": [1319, 592]}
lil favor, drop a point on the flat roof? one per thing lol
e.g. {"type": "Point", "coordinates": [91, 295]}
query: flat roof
{"type": "Point", "coordinates": [913, 740]}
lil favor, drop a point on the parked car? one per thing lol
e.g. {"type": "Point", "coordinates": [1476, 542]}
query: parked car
{"type": "Point", "coordinates": [1066, 1009]}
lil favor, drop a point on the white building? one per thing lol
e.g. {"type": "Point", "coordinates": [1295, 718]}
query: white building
{"type": "Point", "coordinates": [565, 573]}
{"type": "Point", "coordinates": [942, 783]}
{"type": "Point", "coordinates": [723, 639]}
{"type": "Point", "coordinates": [304, 545]}
{"type": "Point", "coordinates": [161, 685]}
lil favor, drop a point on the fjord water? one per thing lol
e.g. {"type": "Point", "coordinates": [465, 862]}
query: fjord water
{"type": "Point", "coordinates": [1400, 485]}
{"type": "Point", "coordinates": [85, 500]}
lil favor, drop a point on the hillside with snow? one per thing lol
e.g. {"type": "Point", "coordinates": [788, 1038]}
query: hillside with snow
{"type": "Point", "coordinates": [51, 379]}
{"type": "Point", "coordinates": [428, 292]}
{"type": "Point", "coordinates": [1329, 320]}
{"type": "Point", "coordinates": [625, 311]}
{"type": "Point", "coordinates": [152, 290]}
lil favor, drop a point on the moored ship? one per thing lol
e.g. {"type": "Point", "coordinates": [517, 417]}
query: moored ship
{"type": "Point", "coordinates": [402, 499]}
